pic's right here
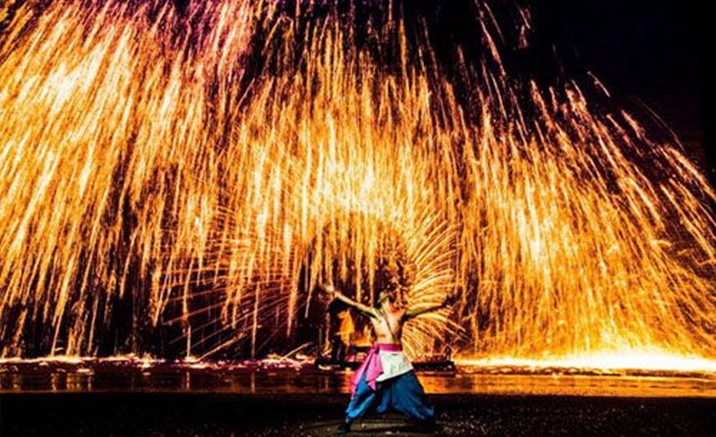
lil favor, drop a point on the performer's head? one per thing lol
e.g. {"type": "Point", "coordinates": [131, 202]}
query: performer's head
{"type": "Point", "coordinates": [386, 299]}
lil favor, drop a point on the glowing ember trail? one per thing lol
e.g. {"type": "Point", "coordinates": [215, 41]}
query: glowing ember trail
{"type": "Point", "coordinates": [177, 180]}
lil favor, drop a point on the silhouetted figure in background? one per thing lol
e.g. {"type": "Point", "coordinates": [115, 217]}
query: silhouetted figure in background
{"type": "Point", "coordinates": [341, 330]}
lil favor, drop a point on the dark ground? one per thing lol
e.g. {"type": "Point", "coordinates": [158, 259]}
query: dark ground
{"type": "Point", "coordinates": [212, 414]}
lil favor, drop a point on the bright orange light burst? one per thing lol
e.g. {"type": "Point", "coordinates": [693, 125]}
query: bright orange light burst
{"type": "Point", "coordinates": [138, 163]}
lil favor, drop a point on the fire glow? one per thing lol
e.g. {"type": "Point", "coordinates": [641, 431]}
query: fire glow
{"type": "Point", "coordinates": [652, 361]}
{"type": "Point", "coordinates": [139, 165]}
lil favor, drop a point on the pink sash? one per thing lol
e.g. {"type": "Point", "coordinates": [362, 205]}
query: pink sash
{"type": "Point", "coordinates": [372, 366]}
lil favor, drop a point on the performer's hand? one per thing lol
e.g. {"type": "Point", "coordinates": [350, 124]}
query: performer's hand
{"type": "Point", "coordinates": [329, 289]}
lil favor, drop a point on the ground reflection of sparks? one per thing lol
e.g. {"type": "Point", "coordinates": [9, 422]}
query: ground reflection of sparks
{"type": "Point", "coordinates": [138, 165]}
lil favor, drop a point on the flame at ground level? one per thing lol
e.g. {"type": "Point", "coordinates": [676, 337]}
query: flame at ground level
{"type": "Point", "coordinates": [626, 361]}
{"type": "Point", "coordinates": [622, 362]}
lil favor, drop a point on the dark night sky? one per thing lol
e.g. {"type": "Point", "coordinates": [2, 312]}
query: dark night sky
{"type": "Point", "coordinates": [648, 51]}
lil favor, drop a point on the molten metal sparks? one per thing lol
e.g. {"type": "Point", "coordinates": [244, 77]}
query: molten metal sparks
{"type": "Point", "coordinates": [150, 189]}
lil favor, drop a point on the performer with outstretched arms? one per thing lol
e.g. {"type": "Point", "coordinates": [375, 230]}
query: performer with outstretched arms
{"type": "Point", "coordinates": [386, 379]}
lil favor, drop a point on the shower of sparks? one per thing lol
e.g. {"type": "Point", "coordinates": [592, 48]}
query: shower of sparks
{"type": "Point", "coordinates": [138, 164]}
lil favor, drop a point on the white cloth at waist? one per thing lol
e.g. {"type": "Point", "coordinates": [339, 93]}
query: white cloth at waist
{"type": "Point", "coordinates": [394, 364]}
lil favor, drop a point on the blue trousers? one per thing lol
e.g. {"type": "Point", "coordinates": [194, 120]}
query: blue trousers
{"type": "Point", "coordinates": [402, 393]}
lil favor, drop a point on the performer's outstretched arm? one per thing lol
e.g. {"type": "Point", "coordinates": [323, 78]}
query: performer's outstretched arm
{"type": "Point", "coordinates": [335, 294]}
{"type": "Point", "coordinates": [414, 312]}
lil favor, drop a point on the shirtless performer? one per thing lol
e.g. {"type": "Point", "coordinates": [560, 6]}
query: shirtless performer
{"type": "Point", "coordinates": [386, 379]}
